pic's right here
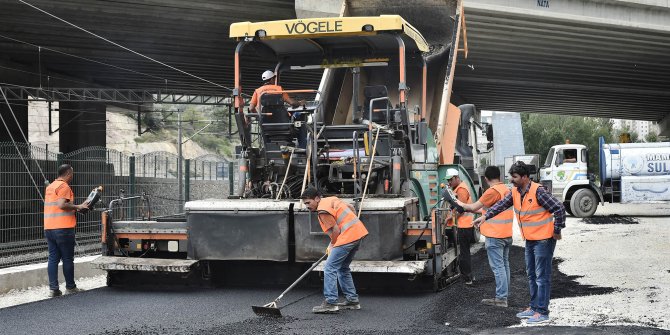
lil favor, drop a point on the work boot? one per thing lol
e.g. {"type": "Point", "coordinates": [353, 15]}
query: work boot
{"type": "Point", "coordinates": [326, 308]}
{"type": "Point", "coordinates": [495, 302]}
{"type": "Point", "coordinates": [469, 280]}
{"type": "Point", "coordinates": [73, 290]}
{"type": "Point", "coordinates": [55, 293]}
{"type": "Point", "coordinates": [349, 305]}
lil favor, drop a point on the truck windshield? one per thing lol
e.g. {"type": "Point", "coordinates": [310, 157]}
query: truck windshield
{"type": "Point", "coordinates": [550, 156]}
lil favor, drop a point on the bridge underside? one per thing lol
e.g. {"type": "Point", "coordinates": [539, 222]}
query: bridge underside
{"type": "Point", "coordinates": [567, 60]}
{"type": "Point", "coordinates": [604, 59]}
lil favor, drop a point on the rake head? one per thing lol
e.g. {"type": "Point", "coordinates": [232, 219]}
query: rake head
{"type": "Point", "coordinates": [268, 310]}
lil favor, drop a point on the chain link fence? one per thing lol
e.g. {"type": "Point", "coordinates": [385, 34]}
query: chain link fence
{"type": "Point", "coordinates": [121, 174]}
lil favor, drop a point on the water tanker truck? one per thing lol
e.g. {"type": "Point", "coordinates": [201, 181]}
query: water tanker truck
{"type": "Point", "coordinates": [628, 173]}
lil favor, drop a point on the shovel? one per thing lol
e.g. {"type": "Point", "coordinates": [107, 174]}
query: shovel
{"type": "Point", "coordinates": [271, 309]}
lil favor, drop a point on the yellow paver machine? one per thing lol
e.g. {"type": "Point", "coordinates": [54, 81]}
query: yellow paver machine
{"type": "Point", "coordinates": [366, 135]}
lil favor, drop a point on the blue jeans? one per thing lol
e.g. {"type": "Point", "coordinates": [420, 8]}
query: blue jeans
{"type": "Point", "coordinates": [498, 251]}
{"type": "Point", "coordinates": [538, 266]}
{"type": "Point", "coordinates": [337, 271]}
{"type": "Point", "coordinates": [61, 247]}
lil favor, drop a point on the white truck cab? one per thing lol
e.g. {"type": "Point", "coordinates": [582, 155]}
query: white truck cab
{"type": "Point", "coordinates": [565, 175]}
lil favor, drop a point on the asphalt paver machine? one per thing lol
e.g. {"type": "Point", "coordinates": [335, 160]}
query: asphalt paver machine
{"type": "Point", "coordinates": [364, 135]}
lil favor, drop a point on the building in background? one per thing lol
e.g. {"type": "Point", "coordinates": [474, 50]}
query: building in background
{"type": "Point", "coordinates": [507, 138]}
{"type": "Point", "coordinates": [642, 128]}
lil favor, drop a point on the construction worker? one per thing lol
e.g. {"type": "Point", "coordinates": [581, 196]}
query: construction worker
{"type": "Point", "coordinates": [498, 232]}
{"type": "Point", "coordinates": [337, 219]}
{"type": "Point", "coordinates": [269, 86]}
{"type": "Point", "coordinates": [464, 225]}
{"type": "Point", "coordinates": [570, 156]}
{"type": "Point", "coordinates": [59, 225]}
{"type": "Point", "coordinates": [541, 217]}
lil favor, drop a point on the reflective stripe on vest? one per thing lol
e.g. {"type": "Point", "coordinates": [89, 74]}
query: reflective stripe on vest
{"type": "Point", "coordinates": [351, 228]}
{"type": "Point", "coordinates": [464, 220]}
{"type": "Point", "coordinates": [535, 221]}
{"type": "Point", "coordinates": [529, 212]}
{"type": "Point", "coordinates": [54, 217]}
{"type": "Point", "coordinates": [499, 226]}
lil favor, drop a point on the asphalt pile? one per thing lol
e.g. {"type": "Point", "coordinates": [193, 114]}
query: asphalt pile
{"type": "Point", "coordinates": [461, 307]}
{"type": "Point", "coordinates": [461, 312]}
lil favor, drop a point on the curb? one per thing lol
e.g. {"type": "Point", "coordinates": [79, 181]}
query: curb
{"type": "Point", "coordinates": [32, 275]}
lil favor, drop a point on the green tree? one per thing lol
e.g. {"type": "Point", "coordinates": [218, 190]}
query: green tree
{"type": "Point", "coordinates": [541, 132]}
{"type": "Point", "coordinates": [651, 137]}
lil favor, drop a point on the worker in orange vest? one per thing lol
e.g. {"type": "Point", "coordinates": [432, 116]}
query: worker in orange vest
{"type": "Point", "coordinates": [541, 217]}
{"type": "Point", "coordinates": [339, 221]}
{"type": "Point", "coordinates": [59, 225]}
{"type": "Point", "coordinates": [498, 232]}
{"type": "Point", "coordinates": [269, 86]}
{"type": "Point", "coordinates": [464, 226]}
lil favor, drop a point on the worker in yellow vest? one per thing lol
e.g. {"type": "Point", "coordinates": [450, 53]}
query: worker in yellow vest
{"type": "Point", "coordinates": [339, 221]}
{"type": "Point", "coordinates": [464, 226]}
{"type": "Point", "coordinates": [498, 232]}
{"type": "Point", "coordinates": [541, 217]}
{"type": "Point", "coordinates": [59, 225]}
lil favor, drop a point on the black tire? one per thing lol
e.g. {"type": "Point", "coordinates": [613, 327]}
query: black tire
{"type": "Point", "coordinates": [567, 208]}
{"type": "Point", "coordinates": [583, 203]}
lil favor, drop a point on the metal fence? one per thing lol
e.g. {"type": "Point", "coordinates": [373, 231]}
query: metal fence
{"type": "Point", "coordinates": [154, 174]}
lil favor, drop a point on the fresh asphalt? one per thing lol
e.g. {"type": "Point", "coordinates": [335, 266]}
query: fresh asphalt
{"type": "Point", "coordinates": [455, 310]}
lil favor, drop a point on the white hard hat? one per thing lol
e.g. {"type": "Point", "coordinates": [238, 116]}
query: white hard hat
{"type": "Point", "coordinates": [451, 172]}
{"type": "Point", "coordinates": [267, 75]}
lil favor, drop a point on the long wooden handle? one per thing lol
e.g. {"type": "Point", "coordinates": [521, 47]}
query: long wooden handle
{"type": "Point", "coordinates": [367, 179]}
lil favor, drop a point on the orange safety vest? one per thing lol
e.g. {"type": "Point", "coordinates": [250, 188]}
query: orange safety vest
{"type": "Point", "coordinates": [499, 226]}
{"type": "Point", "coordinates": [536, 222]}
{"type": "Point", "coordinates": [54, 217]}
{"type": "Point", "coordinates": [266, 89]}
{"type": "Point", "coordinates": [465, 219]}
{"type": "Point", "coordinates": [351, 228]}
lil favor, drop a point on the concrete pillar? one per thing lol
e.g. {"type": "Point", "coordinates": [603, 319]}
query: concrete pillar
{"type": "Point", "coordinates": [21, 111]}
{"type": "Point", "coordinates": [664, 126]}
{"type": "Point", "coordinates": [82, 124]}
{"type": "Point", "coordinates": [318, 8]}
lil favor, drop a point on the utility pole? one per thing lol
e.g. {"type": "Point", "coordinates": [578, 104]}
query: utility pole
{"type": "Point", "coordinates": [179, 161]}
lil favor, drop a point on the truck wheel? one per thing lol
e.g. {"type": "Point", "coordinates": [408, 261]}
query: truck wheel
{"type": "Point", "coordinates": [567, 208]}
{"type": "Point", "coordinates": [583, 203]}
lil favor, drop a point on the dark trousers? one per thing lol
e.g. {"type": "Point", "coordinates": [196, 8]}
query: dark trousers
{"type": "Point", "coordinates": [61, 247]}
{"type": "Point", "coordinates": [465, 235]}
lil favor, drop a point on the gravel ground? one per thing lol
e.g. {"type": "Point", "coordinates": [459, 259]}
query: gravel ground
{"type": "Point", "coordinates": [628, 253]}
{"type": "Point", "coordinates": [31, 294]}
{"type": "Point", "coordinates": [611, 276]}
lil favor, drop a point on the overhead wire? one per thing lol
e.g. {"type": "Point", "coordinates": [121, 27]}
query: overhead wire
{"type": "Point", "coordinates": [97, 62]}
{"type": "Point", "coordinates": [38, 74]}
{"type": "Point", "coordinates": [124, 47]}
{"type": "Point", "coordinates": [17, 147]}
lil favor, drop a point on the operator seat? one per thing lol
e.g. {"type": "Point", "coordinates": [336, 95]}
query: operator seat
{"type": "Point", "coordinates": [372, 92]}
{"type": "Point", "coordinates": [276, 126]}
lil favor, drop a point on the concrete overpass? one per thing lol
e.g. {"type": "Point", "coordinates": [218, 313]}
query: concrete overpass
{"type": "Point", "coordinates": [598, 58]}
{"type": "Point", "coordinates": [605, 58]}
